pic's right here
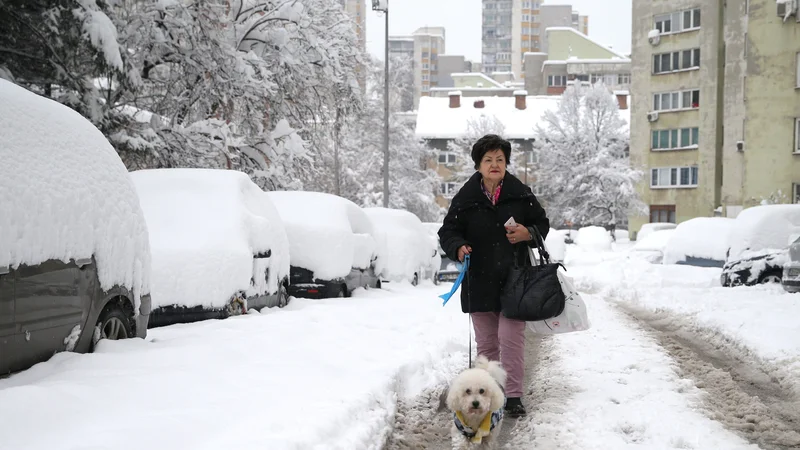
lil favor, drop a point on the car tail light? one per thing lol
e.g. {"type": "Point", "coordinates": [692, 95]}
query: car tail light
{"type": "Point", "coordinates": [313, 291]}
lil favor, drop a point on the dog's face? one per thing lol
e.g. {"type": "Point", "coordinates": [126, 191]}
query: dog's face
{"type": "Point", "coordinates": [475, 393]}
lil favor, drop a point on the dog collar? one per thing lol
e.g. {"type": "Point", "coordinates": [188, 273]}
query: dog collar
{"type": "Point", "coordinates": [487, 425]}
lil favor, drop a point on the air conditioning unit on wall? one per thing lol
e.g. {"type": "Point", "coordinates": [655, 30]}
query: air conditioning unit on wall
{"type": "Point", "coordinates": [652, 116]}
{"type": "Point", "coordinates": [654, 37]}
{"type": "Point", "coordinates": [787, 8]}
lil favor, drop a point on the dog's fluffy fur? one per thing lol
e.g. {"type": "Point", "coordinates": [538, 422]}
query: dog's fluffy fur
{"type": "Point", "coordinates": [485, 383]}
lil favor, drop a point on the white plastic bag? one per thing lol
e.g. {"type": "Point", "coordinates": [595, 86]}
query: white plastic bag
{"type": "Point", "coordinates": [575, 317]}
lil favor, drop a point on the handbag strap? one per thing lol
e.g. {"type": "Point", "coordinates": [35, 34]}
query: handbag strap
{"type": "Point", "coordinates": [544, 256]}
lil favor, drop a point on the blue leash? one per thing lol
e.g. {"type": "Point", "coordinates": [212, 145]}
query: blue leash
{"type": "Point", "coordinates": [462, 273]}
{"type": "Point", "coordinates": [446, 297]}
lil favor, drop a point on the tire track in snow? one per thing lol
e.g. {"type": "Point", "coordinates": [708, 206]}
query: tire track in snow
{"type": "Point", "coordinates": [740, 395]}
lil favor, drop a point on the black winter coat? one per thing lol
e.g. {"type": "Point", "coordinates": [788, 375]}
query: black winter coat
{"type": "Point", "coordinates": [473, 220]}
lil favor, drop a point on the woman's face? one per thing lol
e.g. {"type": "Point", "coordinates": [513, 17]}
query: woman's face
{"type": "Point", "coordinates": [493, 166]}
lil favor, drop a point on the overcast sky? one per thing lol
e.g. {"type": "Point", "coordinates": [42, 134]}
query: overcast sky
{"type": "Point", "coordinates": [609, 23]}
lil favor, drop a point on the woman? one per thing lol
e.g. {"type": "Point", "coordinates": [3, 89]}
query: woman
{"type": "Point", "coordinates": [475, 226]}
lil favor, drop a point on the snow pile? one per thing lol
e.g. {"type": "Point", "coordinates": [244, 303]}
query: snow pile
{"type": "Point", "coordinates": [280, 377]}
{"type": "Point", "coordinates": [703, 237]}
{"type": "Point", "coordinates": [593, 238]}
{"type": "Point", "coordinates": [66, 194]}
{"type": "Point", "coordinates": [404, 246]}
{"type": "Point", "coordinates": [556, 245]}
{"type": "Point", "coordinates": [328, 235]}
{"type": "Point", "coordinates": [648, 228]}
{"type": "Point", "coordinates": [622, 236]}
{"type": "Point", "coordinates": [762, 229]}
{"type": "Point", "coordinates": [205, 228]}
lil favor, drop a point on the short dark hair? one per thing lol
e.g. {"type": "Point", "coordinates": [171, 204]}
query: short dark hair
{"type": "Point", "coordinates": [489, 143]}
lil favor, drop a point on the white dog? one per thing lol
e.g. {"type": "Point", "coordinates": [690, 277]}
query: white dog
{"type": "Point", "coordinates": [476, 398]}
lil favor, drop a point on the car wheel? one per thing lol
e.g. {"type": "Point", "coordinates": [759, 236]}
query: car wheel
{"type": "Point", "coordinates": [770, 278]}
{"type": "Point", "coordinates": [114, 323]}
{"type": "Point", "coordinates": [416, 280]}
{"type": "Point", "coordinates": [283, 296]}
{"type": "Point", "coordinates": [343, 292]}
{"type": "Point", "coordinates": [436, 279]}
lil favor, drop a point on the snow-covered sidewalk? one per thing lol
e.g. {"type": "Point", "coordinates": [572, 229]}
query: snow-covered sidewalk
{"type": "Point", "coordinates": [756, 324]}
{"type": "Point", "coordinates": [318, 374]}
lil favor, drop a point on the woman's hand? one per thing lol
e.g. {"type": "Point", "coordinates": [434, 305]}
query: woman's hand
{"type": "Point", "coordinates": [463, 251]}
{"type": "Point", "coordinates": [518, 233]}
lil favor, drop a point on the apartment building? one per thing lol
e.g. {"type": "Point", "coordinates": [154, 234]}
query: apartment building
{"type": "Point", "coordinates": [424, 47]}
{"type": "Point", "coordinates": [512, 28]}
{"type": "Point", "coordinates": [716, 105]}
{"type": "Point", "coordinates": [357, 10]}
{"type": "Point", "coordinates": [573, 56]}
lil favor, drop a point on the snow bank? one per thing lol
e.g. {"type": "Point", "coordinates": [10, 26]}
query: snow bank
{"type": "Point", "coordinates": [66, 194]}
{"type": "Point", "coordinates": [328, 235]}
{"type": "Point", "coordinates": [763, 228]}
{"type": "Point", "coordinates": [593, 238]}
{"type": "Point", "coordinates": [280, 380]}
{"type": "Point", "coordinates": [404, 245]}
{"type": "Point", "coordinates": [653, 227]}
{"type": "Point", "coordinates": [703, 237]}
{"type": "Point", "coordinates": [205, 227]}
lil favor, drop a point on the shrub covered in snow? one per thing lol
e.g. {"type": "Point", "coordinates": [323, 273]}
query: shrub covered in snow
{"type": "Point", "coordinates": [404, 246]}
{"type": "Point", "coordinates": [66, 194]}
{"type": "Point", "coordinates": [593, 238]}
{"type": "Point", "coordinates": [702, 238]}
{"type": "Point", "coordinates": [328, 235]}
{"type": "Point", "coordinates": [206, 226]}
{"type": "Point", "coordinates": [763, 229]}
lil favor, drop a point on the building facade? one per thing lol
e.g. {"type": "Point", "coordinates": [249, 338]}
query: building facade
{"type": "Point", "coordinates": [715, 108]}
{"type": "Point", "coordinates": [424, 47]}
{"type": "Point", "coordinates": [511, 28]}
{"type": "Point", "coordinates": [357, 10]}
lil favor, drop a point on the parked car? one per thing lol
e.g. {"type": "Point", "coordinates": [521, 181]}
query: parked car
{"type": "Point", "coordinates": [74, 255]}
{"type": "Point", "coordinates": [432, 271]}
{"type": "Point", "coordinates": [652, 246]}
{"type": "Point", "coordinates": [332, 244]}
{"type": "Point", "coordinates": [758, 245]}
{"type": "Point", "coordinates": [406, 253]}
{"type": "Point", "coordinates": [650, 228]}
{"type": "Point", "coordinates": [219, 246]}
{"type": "Point", "coordinates": [791, 270]}
{"type": "Point", "coordinates": [702, 242]}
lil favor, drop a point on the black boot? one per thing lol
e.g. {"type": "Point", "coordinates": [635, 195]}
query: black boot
{"type": "Point", "coordinates": [514, 408]}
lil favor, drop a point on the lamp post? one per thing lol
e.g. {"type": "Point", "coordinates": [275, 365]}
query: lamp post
{"type": "Point", "coordinates": [383, 6]}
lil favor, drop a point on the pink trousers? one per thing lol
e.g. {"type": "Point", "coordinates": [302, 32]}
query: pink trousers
{"type": "Point", "coordinates": [502, 339]}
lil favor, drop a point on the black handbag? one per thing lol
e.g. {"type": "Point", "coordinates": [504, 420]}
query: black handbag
{"type": "Point", "coordinates": [533, 293]}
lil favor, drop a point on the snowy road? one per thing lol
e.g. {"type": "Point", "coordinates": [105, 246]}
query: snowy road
{"type": "Point", "coordinates": [671, 362]}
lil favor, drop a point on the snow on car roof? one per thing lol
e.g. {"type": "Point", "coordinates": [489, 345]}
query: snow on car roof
{"type": "Point", "coordinates": [702, 237]}
{"type": "Point", "coordinates": [205, 227]}
{"type": "Point", "coordinates": [328, 235]}
{"type": "Point", "coordinates": [765, 227]}
{"type": "Point", "coordinates": [66, 194]}
{"type": "Point", "coordinates": [404, 245]}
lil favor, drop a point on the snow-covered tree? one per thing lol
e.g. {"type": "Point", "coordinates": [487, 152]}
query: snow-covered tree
{"type": "Point", "coordinates": [584, 165]}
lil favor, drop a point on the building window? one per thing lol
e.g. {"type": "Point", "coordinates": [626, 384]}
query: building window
{"type": "Point", "coordinates": [676, 101]}
{"type": "Point", "coordinates": [662, 213]}
{"type": "Point", "coordinates": [425, 66]}
{"type": "Point", "coordinates": [675, 61]}
{"type": "Point", "coordinates": [531, 157]}
{"type": "Point", "coordinates": [447, 158]}
{"type": "Point", "coordinates": [797, 136]}
{"type": "Point", "coordinates": [556, 80]}
{"type": "Point", "coordinates": [678, 22]}
{"type": "Point", "coordinates": [796, 192]}
{"type": "Point", "coordinates": [623, 79]}
{"type": "Point", "coordinates": [536, 189]}
{"type": "Point", "coordinates": [676, 139]}
{"type": "Point", "coordinates": [673, 177]}
{"type": "Point", "coordinates": [526, 17]}
{"type": "Point", "coordinates": [448, 189]}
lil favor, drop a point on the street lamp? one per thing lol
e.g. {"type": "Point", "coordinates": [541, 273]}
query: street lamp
{"type": "Point", "coordinates": [383, 5]}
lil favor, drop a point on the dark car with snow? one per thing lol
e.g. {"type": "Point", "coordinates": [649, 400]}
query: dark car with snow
{"type": "Point", "coordinates": [218, 244]}
{"type": "Point", "coordinates": [758, 245]}
{"type": "Point", "coordinates": [331, 244]}
{"type": "Point", "coordinates": [75, 259]}
{"type": "Point", "coordinates": [448, 273]}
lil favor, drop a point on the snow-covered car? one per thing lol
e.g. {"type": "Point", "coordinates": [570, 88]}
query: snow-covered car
{"type": "Point", "coordinates": [649, 228]}
{"type": "Point", "coordinates": [758, 245]}
{"type": "Point", "coordinates": [702, 241]}
{"type": "Point", "coordinates": [404, 247]}
{"type": "Point", "coordinates": [219, 247]}
{"type": "Point", "coordinates": [593, 239]}
{"type": "Point", "coordinates": [432, 272]}
{"type": "Point", "coordinates": [791, 270]}
{"type": "Point", "coordinates": [74, 254]}
{"type": "Point", "coordinates": [332, 244]}
{"type": "Point", "coordinates": [651, 248]}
